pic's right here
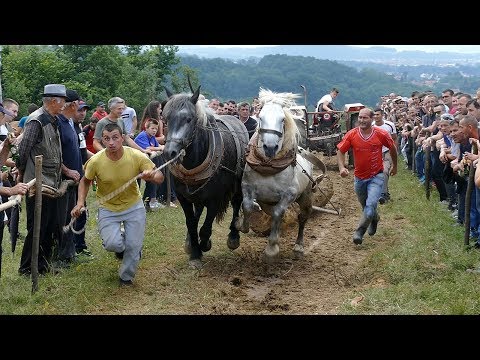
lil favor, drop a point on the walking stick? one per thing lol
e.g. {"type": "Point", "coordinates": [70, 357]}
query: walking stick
{"type": "Point", "coordinates": [36, 222]}
{"type": "Point", "coordinates": [427, 169]}
{"type": "Point", "coordinates": [470, 186]}
{"type": "Point", "coordinates": [414, 151]}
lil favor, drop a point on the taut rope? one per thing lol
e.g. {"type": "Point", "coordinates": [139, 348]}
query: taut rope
{"type": "Point", "coordinates": [118, 191]}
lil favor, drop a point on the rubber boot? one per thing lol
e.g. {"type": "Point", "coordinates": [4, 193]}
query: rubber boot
{"type": "Point", "coordinates": [362, 228]}
{"type": "Point", "coordinates": [372, 228]}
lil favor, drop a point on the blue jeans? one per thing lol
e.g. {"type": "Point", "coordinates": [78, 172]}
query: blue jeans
{"type": "Point", "coordinates": [420, 162]}
{"type": "Point", "coordinates": [368, 193]}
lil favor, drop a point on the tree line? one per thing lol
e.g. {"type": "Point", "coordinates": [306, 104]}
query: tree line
{"type": "Point", "coordinates": [139, 74]}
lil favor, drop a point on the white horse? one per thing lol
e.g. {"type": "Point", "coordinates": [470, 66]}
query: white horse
{"type": "Point", "coordinates": [276, 174]}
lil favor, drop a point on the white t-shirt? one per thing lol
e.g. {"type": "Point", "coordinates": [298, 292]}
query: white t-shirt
{"type": "Point", "coordinates": [3, 130]}
{"type": "Point", "coordinates": [326, 99]}
{"type": "Point", "coordinates": [389, 127]}
{"type": "Point", "coordinates": [127, 116]}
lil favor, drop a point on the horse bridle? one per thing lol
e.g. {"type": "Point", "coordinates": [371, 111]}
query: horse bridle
{"type": "Point", "coordinates": [270, 131]}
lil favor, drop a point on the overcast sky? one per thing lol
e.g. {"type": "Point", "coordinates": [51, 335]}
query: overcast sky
{"type": "Point", "coordinates": [427, 48]}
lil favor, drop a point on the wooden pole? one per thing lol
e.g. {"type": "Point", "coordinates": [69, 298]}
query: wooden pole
{"type": "Point", "coordinates": [427, 168]}
{"type": "Point", "coordinates": [37, 221]}
{"type": "Point", "coordinates": [470, 188]}
{"type": "Point", "coordinates": [328, 211]}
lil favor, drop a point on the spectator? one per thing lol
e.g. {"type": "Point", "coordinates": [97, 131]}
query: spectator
{"type": "Point", "coordinates": [129, 117]}
{"type": "Point", "coordinates": [100, 112]}
{"type": "Point", "coordinates": [31, 108]}
{"type": "Point", "coordinates": [41, 137]}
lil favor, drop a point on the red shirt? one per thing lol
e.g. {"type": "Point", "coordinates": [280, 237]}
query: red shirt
{"type": "Point", "coordinates": [99, 115]}
{"type": "Point", "coordinates": [89, 138]}
{"type": "Point", "coordinates": [367, 151]}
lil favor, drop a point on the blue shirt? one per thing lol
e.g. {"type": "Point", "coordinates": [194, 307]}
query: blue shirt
{"type": "Point", "coordinates": [72, 158]}
{"type": "Point", "coordinates": [144, 140]}
{"type": "Point", "coordinates": [22, 121]}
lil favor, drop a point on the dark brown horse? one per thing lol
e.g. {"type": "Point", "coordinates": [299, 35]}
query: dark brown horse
{"type": "Point", "coordinates": [209, 174]}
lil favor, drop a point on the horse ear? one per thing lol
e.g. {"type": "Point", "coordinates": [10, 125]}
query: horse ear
{"type": "Point", "coordinates": [195, 95]}
{"type": "Point", "coordinates": [190, 83]}
{"type": "Point", "coordinates": [169, 93]}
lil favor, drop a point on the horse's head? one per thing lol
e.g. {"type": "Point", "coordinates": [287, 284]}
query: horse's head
{"type": "Point", "coordinates": [271, 128]}
{"type": "Point", "coordinates": [276, 128]}
{"type": "Point", "coordinates": [181, 114]}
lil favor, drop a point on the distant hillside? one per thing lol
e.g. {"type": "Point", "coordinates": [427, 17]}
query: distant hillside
{"type": "Point", "coordinates": [377, 54]}
{"type": "Point", "coordinates": [241, 80]}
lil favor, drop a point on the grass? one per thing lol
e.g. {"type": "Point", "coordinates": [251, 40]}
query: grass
{"type": "Point", "coordinates": [424, 266]}
{"type": "Point", "coordinates": [419, 269]}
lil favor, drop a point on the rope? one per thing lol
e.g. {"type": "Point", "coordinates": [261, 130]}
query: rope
{"type": "Point", "coordinates": [72, 220]}
{"type": "Point", "coordinates": [116, 192]}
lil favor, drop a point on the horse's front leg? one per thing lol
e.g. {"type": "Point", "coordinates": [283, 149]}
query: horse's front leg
{"type": "Point", "coordinates": [192, 236]}
{"type": "Point", "coordinates": [248, 205]}
{"type": "Point", "coordinates": [278, 211]}
{"type": "Point", "coordinates": [233, 240]}
{"type": "Point", "coordinates": [305, 203]}
{"type": "Point", "coordinates": [187, 245]}
{"type": "Point", "coordinates": [206, 229]}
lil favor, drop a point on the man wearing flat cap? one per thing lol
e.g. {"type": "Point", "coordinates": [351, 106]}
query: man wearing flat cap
{"type": "Point", "coordinates": [41, 137]}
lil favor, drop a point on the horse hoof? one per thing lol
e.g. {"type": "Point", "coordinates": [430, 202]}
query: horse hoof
{"type": "Point", "coordinates": [205, 246]}
{"type": "Point", "coordinates": [271, 251]}
{"type": "Point", "coordinates": [298, 252]}
{"type": "Point", "coordinates": [195, 264]}
{"type": "Point", "coordinates": [233, 243]}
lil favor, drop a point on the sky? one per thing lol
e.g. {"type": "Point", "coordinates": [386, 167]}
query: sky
{"type": "Point", "coordinates": [427, 48]}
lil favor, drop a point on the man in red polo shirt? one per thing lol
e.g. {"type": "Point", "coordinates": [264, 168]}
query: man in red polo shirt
{"type": "Point", "coordinates": [366, 142]}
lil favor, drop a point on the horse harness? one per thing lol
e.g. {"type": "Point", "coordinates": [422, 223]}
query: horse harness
{"type": "Point", "coordinates": [201, 174]}
{"type": "Point", "coordinates": [267, 166]}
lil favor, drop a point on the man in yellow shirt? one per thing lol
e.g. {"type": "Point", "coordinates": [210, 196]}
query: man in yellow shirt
{"type": "Point", "coordinates": [113, 167]}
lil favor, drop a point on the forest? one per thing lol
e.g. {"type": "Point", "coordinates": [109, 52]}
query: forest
{"type": "Point", "coordinates": [140, 74]}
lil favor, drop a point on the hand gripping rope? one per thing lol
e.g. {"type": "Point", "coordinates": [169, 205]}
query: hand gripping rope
{"type": "Point", "coordinates": [117, 191]}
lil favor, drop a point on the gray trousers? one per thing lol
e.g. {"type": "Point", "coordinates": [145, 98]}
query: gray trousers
{"type": "Point", "coordinates": [134, 221]}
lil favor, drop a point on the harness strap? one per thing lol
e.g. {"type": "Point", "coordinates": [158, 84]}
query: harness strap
{"type": "Point", "coordinates": [207, 168]}
{"type": "Point", "coordinates": [240, 153]}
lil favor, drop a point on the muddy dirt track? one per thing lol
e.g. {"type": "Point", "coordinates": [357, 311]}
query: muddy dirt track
{"type": "Point", "coordinates": [317, 284]}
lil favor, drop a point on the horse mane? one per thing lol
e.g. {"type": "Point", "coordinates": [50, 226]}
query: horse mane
{"type": "Point", "coordinates": [285, 99]}
{"type": "Point", "coordinates": [181, 101]}
{"type": "Point", "coordinates": [291, 134]}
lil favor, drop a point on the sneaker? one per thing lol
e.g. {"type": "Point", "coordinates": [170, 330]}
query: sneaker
{"type": "Point", "coordinates": [119, 255]}
{"type": "Point", "coordinates": [155, 205]}
{"type": "Point", "coordinates": [173, 205]}
{"type": "Point", "coordinates": [125, 282]}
